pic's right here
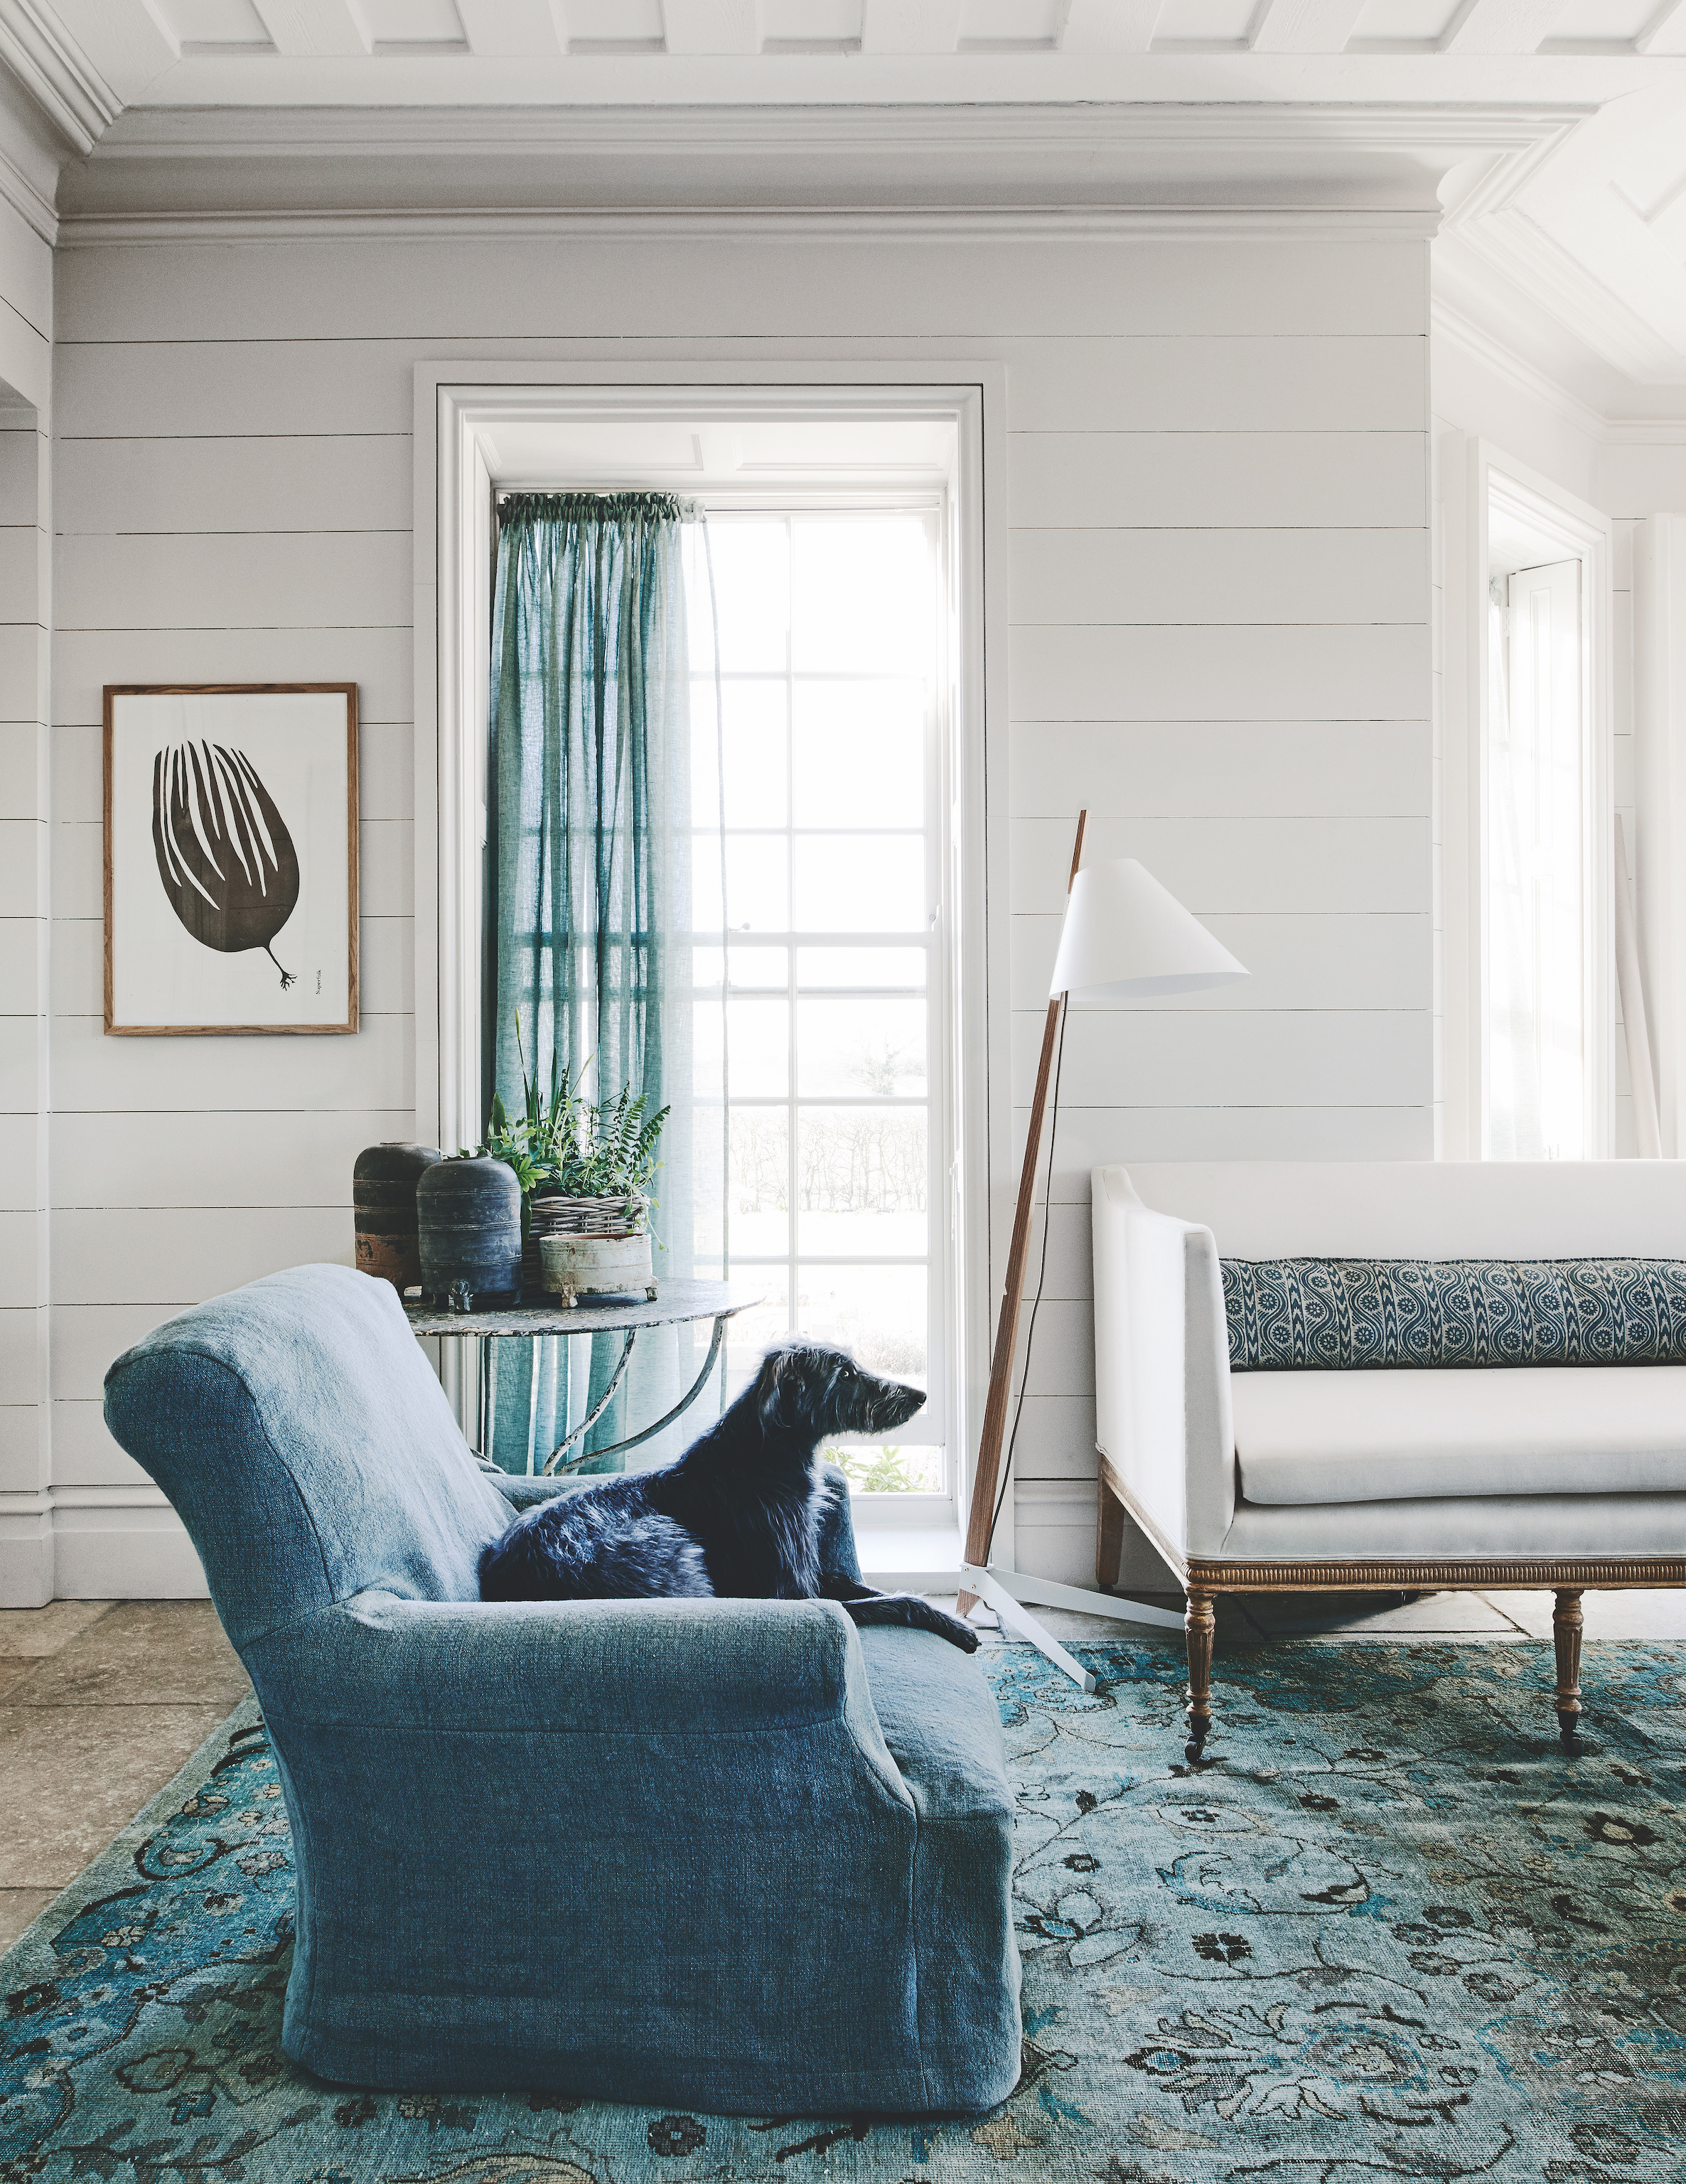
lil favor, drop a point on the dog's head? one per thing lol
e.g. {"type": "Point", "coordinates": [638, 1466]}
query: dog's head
{"type": "Point", "coordinates": [814, 1390]}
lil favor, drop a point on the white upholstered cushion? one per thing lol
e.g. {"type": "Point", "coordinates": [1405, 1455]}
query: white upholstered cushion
{"type": "Point", "coordinates": [1308, 1438]}
{"type": "Point", "coordinates": [1502, 1527]}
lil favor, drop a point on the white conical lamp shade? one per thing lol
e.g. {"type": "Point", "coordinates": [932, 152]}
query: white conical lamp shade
{"type": "Point", "coordinates": [1125, 936]}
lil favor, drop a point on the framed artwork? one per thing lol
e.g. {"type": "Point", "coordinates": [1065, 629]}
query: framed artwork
{"type": "Point", "coordinates": [231, 858]}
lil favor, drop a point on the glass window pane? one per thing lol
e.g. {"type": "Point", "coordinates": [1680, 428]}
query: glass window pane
{"type": "Point", "coordinates": [757, 881]}
{"type": "Point", "coordinates": [860, 752]}
{"type": "Point", "coordinates": [760, 1047]}
{"type": "Point", "coordinates": [858, 967]}
{"type": "Point", "coordinates": [861, 595]}
{"type": "Point", "coordinates": [759, 966]}
{"type": "Point", "coordinates": [877, 1311]}
{"type": "Point", "coordinates": [760, 1183]}
{"type": "Point", "coordinates": [752, 589]}
{"type": "Point", "coordinates": [861, 1050]}
{"type": "Point", "coordinates": [749, 1333]}
{"type": "Point", "coordinates": [896, 1468]}
{"type": "Point", "coordinates": [861, 882]}
{"type": "Point", "coordinates": [862, 1182]}
{"type": "Point", "coordinates": [751, 968]}
{"type": "Point", "coordinates": [754, 728]}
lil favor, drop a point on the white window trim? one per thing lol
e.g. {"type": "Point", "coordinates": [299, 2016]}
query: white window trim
{"type": "Point", "coordinates": [1584, 534]}
{"type": "Point", "coordinates": [458, 411]}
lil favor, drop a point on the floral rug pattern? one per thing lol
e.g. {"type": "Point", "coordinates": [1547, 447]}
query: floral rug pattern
{"type": "Point", "coordinates": [1387, 1930]}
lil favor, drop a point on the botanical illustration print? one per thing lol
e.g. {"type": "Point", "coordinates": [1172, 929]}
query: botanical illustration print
{"type": "Point", "coordinates": [224, 853]}
{"type": "Point", "coordinates": [1387, 1930]}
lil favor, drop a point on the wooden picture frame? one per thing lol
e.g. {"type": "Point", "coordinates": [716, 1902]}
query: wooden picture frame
{"type": "Point", "coordinates": [228, 809]}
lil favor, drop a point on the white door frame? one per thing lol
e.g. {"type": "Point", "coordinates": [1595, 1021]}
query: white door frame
{"type": "Point", "coordinates": [458, 409]}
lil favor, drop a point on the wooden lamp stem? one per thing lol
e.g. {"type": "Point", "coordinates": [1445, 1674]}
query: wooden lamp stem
{"type": "Point", "coordinates": [987, 1479]}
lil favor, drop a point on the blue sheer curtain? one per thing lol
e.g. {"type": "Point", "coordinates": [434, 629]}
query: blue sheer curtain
{"type": "Point", "coordinates": [590, 843]}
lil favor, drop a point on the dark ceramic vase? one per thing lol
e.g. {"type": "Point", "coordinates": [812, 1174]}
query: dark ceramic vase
{"type": "Point", "coordinates": [383, 1187]}
{"type": "Point", "coordinates": [468, 1217]}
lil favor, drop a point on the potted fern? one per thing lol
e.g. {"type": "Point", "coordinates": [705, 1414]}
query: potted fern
{"type": "Point", "coordinates": [590, 1218]}
{"type": "Point", "coordinates": [585, 1175]}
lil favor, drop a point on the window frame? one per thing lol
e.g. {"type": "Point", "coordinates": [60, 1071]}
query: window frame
{"type": "Point", "coordinates": [459, 410]}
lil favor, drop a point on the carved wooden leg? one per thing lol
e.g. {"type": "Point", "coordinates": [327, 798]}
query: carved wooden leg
{"type": "Point", "coordinates": [1109, 1536]}
{"type": "Point", "coordinates": [1567, 1622]}
{"type": "Point", "coordinates": [1200, 1624]}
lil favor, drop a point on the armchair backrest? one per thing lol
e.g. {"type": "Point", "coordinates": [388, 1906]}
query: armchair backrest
{"type": "Point", "coordinates": [1426, 1209]}
{"type": "Point", "coordinates": [308, 1448]}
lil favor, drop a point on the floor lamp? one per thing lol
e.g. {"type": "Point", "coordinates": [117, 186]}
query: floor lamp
{"type": "Point", "coordinates": [1125, 937]}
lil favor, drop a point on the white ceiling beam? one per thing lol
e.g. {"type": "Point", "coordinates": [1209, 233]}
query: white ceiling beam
{"type": "Point", "coordinates": [911, 27]}
{"type": "Point", "coordinates": [712, 26]}
{"type": "Point", "coordinates": [1307, 26]}
{"type": "Point", "coordinates": [513, 30]}
{"type": "Point", "coordinates": [312, 30]}
{"type": "Point", "coordinates": [1110, 26]}
{"type": "Point", "coordinates": [1666, 32]}
{"type": "Point", "coordinates": [1501, 26]}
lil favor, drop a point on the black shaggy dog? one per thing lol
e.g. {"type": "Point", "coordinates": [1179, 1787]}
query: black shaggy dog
{"type": "Point", "coordinates": [740, 1515]}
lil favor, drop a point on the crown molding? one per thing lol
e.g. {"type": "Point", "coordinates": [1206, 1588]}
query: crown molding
{"type": "Point", "coordinates": [1448, 323]}
{"type": "Point", "coordinates": [903, 223]}
{"type": "Point", "coordinates": [1513, 245]}
{"type": "Point", "coordinates": [55, 71]}
{"type": "Point", "coordinates": [204, 168]}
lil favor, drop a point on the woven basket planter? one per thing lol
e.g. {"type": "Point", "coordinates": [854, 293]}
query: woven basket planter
{"type": "Point", "coordinates": [613, 1220]}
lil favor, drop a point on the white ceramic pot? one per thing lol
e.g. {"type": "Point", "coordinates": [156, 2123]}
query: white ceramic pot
{"type": "Point", "coordinates": [596, 1266]}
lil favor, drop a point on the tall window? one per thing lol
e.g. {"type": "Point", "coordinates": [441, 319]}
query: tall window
{"type": "Point", "coordinates": [816, 794]}
{"type": "Point", "coordinates": [1538, 801]}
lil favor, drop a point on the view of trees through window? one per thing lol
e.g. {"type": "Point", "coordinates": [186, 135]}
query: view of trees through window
{"type": "Point", "coordinates": [823, 714]}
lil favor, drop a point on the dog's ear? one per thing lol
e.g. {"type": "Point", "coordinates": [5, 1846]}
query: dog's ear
{"type": "Point", "coordinates": [778, 1391]}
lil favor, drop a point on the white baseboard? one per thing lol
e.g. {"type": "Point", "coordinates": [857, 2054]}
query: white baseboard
{"type": "Point", "coordinates": [124, 1554]}
{"type": "Point", "coordinates": [26, 1560]}
{"type": "Point", "coordinates": [131, 1546]}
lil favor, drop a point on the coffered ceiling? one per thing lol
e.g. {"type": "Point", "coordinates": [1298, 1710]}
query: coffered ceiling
{"type": "Point", "coordinates": [1558, 125]}
{"type": "Point", "coordinates": [379, 52]}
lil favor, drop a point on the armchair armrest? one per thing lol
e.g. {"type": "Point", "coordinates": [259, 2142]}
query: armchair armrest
{"type": "Point", "coordinates": [1162, 1405]}
{"type": "Point", "coordinates": [377, 1663]}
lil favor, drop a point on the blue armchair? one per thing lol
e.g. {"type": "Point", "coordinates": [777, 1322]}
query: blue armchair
{"type": "Point", "coordinates": [727, 1855]}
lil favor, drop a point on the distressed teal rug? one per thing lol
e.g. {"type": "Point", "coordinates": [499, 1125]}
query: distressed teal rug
{"type": "Point", "coordinates": [1389, 1931]}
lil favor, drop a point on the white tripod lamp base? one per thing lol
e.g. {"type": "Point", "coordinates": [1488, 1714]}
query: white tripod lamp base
{"type": "Point", "coordinates": [1006, 1591]}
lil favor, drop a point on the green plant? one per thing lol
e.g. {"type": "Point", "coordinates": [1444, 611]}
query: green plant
{"type": "Point", "coordinates": [874, 1470]}
{"type": "Point", "coordinates": [563, 1146]}
{"type": "Point", "coordinates": [611, 1153]}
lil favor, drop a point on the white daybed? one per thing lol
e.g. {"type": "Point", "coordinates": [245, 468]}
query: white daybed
{"type": "Point", "coordinates": [1560, 1477]}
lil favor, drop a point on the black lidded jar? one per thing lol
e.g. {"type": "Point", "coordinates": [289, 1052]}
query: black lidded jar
{"type": "Point", "coordinates": [469, 1220]}
{"type": "Point", "coordinates": [383, 1188]}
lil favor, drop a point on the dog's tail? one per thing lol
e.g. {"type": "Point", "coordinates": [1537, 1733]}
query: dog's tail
{"type": "Point", "coordinates": [593, 1553]}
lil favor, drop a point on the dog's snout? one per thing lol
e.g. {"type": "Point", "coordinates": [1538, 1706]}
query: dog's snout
{"type": "Point", "coordinates": [896, 1404]}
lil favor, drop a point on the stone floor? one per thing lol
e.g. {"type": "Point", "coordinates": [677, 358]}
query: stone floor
{"type": "Point", "coordinates": [102, 1701]}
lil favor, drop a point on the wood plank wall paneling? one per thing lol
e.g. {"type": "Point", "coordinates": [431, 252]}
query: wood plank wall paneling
{"type": "Point", "coordinates": [1219, 579]}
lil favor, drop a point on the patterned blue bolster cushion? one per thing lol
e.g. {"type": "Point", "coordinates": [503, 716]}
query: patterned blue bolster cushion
{"type": "Point", "coordinates": [1341, 1315]}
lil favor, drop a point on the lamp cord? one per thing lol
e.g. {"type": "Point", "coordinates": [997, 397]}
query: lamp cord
{"type": "Point", "coordinates": [1041, 1276]}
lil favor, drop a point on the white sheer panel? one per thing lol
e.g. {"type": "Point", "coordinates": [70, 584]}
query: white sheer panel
{"type": "Point", "coordinates": [1534, 868]}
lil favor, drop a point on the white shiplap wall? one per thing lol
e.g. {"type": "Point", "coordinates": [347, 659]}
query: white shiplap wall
{"type": "Point", "coordinates": [25, 563]}
{"type": "Point", "coordinates": [1217, 498]}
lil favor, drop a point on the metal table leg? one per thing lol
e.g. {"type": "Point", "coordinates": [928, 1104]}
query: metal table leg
{"type": "Point", "coordinates": [553, 1468]}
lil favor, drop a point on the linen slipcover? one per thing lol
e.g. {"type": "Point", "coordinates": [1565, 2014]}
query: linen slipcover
{"type": "Point", "coordinates": [730, 1855]}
